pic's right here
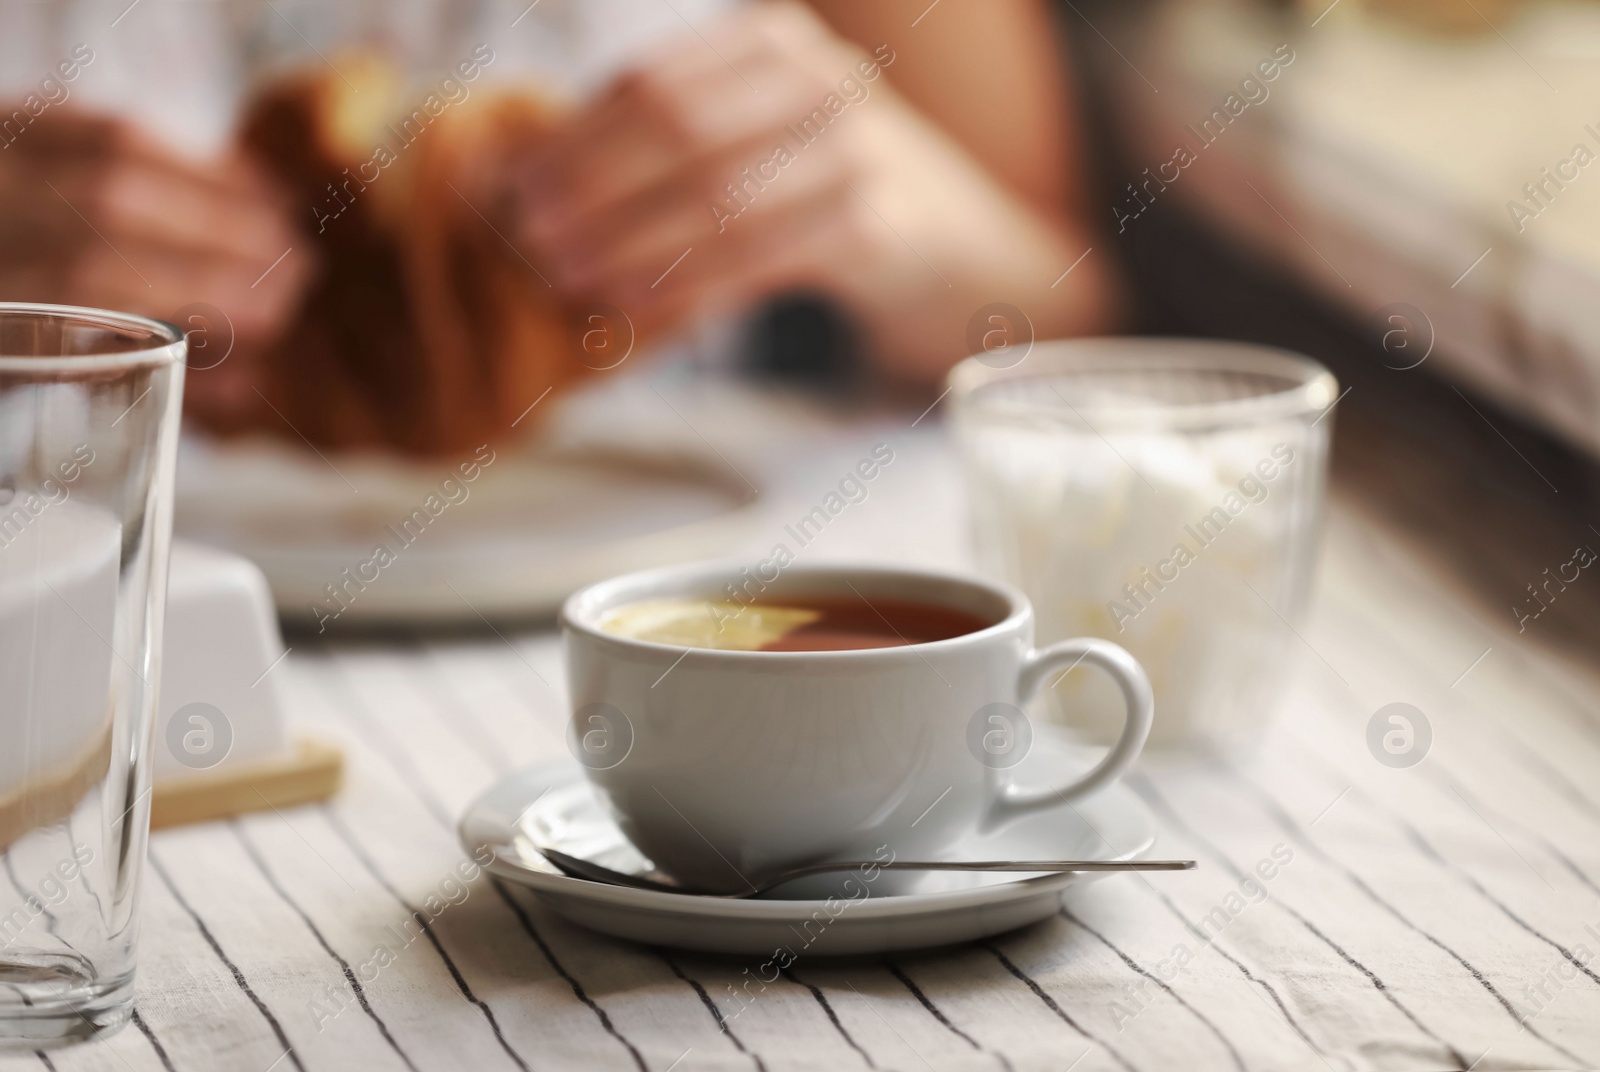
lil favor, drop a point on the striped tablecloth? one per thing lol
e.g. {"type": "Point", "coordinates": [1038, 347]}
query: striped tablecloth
{"type": "Point", "coordinates": [1443, 916]}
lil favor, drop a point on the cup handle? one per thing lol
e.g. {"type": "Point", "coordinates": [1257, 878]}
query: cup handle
{"type": "Point", "coordinates": [1014, 800]}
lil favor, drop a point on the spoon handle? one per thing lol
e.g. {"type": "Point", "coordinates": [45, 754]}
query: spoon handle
{"type": "Point", "coordinates": [1007, 865]}
{"type": "Point", "coordinates": [1034, 866]}
{"type": "Point", "coordinates": [578, 867]}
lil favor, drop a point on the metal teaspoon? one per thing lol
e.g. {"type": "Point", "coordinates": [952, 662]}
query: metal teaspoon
{"type": "Point", "coordinates": [577, 867]}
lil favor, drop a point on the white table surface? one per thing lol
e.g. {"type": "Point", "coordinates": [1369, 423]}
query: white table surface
{"type": "Point", "coordinates": [1419, 916]}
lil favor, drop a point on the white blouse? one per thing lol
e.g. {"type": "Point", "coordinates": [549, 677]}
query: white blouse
{"type": "Point", "coordinates": [185, 68]}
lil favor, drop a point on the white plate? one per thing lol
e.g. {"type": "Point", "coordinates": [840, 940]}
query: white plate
{"type": "Point", "coordinates": [530, 530]}
{"type": "Point", "coordinates": [938, 908]}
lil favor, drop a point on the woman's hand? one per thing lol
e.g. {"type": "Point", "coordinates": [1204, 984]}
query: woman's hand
{"type": "Point", "coordinates": [773, 155]}
{"type": "Point", "coordinates": [99, 214]}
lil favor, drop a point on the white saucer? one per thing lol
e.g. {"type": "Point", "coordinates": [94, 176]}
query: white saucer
{"type": "Point", "coordinates": [554, 801]}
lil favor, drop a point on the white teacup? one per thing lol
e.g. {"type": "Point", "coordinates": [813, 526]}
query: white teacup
{"type": "Point", "coordinates": [726, 766]}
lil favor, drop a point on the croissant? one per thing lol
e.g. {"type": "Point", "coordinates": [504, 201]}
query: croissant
{"type": "Point", "coordinates": [425, 330]}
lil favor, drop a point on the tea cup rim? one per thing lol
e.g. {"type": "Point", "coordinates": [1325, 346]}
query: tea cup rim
{"type": "Point", "coordinates": [580, 612]}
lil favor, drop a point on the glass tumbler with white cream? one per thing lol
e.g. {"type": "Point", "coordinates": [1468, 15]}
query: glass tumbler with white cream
{"type": "Point", "coordinates": [89, 409]}
{"type": "Point", "coordinates": [1164, 494]}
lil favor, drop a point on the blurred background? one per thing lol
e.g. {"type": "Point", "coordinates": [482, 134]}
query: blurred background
{"type": "Point", "coordinates": [1389, 210]}
{"type": "Point", "coordinates": [668, 263]}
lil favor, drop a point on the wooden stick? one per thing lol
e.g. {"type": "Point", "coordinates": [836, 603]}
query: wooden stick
{"type": "Point", "coordinates": [314, 772]}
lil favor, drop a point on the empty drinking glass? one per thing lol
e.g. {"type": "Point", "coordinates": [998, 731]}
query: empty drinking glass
{"type": "Point", "coordinates": [89, 408]}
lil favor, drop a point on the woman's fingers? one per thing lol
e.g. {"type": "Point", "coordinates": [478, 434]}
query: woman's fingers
{"type": "Point", "coordinates": [106, 216]}
{"type": "Point", "coordinates": [654, 134]}
{"type": "Point", "coordinates": [741, 85]}
{"type": "Point", "coordinates": [135, 200]}
{"type": "Point", "coordinates": [721, 202]}
{"type": "Point", "coordinates": [802, 243]}
{"type": "Point", "coordinates": [75, 202]}
{"type": "Point", "coordinates": [158, 280]}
